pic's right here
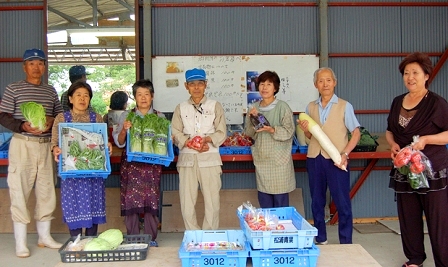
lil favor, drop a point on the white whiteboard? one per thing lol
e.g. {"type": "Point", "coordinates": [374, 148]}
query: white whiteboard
{"type": "Point", "coordinates": [229, 80]}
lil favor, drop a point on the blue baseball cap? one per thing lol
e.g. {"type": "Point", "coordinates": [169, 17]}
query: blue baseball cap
{"type": "Point", "coordinates": [34, 53]}
{"type": "Point", "coordinates": [77, 70]}
{"type": "Point", "coordinates": [195, 75]}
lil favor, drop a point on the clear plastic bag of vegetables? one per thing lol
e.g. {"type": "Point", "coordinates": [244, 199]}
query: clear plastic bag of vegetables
{"type": "Point", "coordinates": [82, 150]}
{"type": "Point", "coordinates": [415, 165]}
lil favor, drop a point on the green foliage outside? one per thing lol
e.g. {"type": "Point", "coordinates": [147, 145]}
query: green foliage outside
{"type": "Point", "coordinates": [104, 81]}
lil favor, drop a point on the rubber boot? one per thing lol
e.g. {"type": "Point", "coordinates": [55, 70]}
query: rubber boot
{"type": "Point", "coordinates": [22, 250]}
{"type": "Point", "coordinates": [45, 239]}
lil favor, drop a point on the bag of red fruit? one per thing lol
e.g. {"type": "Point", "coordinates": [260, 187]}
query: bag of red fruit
{"type": "Point", "coordinates": [415, 165]}
{"type": "Point", "coordinates": [260, 219]}
{"type": "Point", "coordinates": [195, 142]}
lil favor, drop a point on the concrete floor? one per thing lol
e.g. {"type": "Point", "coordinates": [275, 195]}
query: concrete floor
{"type": "Point", "coordinates": [385, 248]}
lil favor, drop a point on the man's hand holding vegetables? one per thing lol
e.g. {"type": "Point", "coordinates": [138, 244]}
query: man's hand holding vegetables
{"type": "Point", "coordinates": [344, 156]}
{"type": "Point", "coordinates": [199, 144]}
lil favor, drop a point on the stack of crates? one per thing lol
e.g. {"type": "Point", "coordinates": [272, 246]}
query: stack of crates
{"type": "Point", "coordinates": [291, 246]}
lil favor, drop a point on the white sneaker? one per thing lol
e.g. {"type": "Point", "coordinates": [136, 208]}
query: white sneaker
{"type": "Point", "coordinates": [322, 243]}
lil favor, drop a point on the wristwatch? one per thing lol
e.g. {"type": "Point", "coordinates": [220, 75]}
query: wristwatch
{"type": "Point", "coordinates": [346, 154]}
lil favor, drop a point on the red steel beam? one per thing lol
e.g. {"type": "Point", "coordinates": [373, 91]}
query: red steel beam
{"type": "Point", "coordinates": [21, 8]}
{"type": "Point", "coordinates": [439, 65]}
{"type": "Point", "coordinates": [304, 4]}
{"type": "Point", "coordinates": [381, 4]}
{"type": "Point", "coordinates": [378, 54]}
{"type": "Point", "coordinates": [259, 4]}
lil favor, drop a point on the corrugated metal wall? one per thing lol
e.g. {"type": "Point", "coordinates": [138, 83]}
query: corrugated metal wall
{"type": "Point", "coordinates": [231, 30]}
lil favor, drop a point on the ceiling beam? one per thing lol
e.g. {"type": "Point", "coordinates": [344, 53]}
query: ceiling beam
{"type": "Point", "coordinates": [71, 25]}
{"type": "Point", "coordinates": [126, 5]}
{"type": "Point", "coordinates": [67, 17]}
{"type": "Point", "coordinates": [94, 7]}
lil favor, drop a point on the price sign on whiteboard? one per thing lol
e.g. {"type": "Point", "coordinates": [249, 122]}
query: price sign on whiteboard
{"type": "Point", "coordinates": [231, 80]}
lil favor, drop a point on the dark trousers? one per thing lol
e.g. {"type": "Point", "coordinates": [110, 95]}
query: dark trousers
{"type": "Point", "coordinates": [92, 231]}
{"type": "Point", "coordinates": [322, 174]}
{"type": "Point", "coordinates": [267, 201]}
{"type": "Point", "coordinates": [410, 211]}
{"type": "Point", "coordinates": [151, 224]}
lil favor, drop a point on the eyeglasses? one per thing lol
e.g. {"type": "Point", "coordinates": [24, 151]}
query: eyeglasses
{"type": "Point", "coordinates": [196, 84]}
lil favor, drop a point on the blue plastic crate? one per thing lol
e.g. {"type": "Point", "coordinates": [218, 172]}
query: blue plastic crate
{"type": "Point", "coordinates": [234, 150]}
{"type": "Point", "coordinates": [100, 128]}
{"type": "Point", "coordinates": [295, 144]}
{"type": "Point", "coordinates": [4, 154]}
{"type": "Point", "coordinates": [5, 139]}
{"type": "Point", "coordinates": [300, 237]}
{"type": "Point", "coordinates": [285, 257]}
{"type": "Point", "coordinates": [303, 149]}
{"type": "Point", "coordinates": [214, 257]}
{"type": "Point", "coordinates": [245, 150]}
{"type": "Point", "coordinates": [148, 157]}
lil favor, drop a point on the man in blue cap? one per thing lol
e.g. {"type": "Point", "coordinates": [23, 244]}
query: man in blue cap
{"type": "Point", "coordinates": [76, 73]}
{"type": "Point", "coordinates": [199, 163]}
{"type": "Point", "coordinates": [30, 158]}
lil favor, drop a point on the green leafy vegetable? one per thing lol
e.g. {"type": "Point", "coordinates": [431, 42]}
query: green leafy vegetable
{"type": "Point", "coordinates": [35, 114]}
{"type": "Point", "coordinates": [148, 134]}
{"type": "Point", "coordinates": [74, 149]}
{"type": "Point", "coordinates": [113, 236]}
{"type": "Point", "coordinates": [161, 140]}
{"type": "Point", "coordinates": [366, 139]}
{"type": "Point", "coordinates": [135, 133]}
{"type": "Point", "coordinates": [90, 159]}
{"type": "Point", "coordinates": [98, 244]}
{"type": "Point", "coordinates": [148, 131]}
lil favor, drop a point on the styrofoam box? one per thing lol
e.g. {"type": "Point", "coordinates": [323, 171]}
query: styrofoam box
{"type": "Point", "coordinates": [300, 236]}
{"type": "Point", "coordinates": [285, 257]}
{"type": "Point", "coordinates": [216, 257]}
{"type": "Point", "coordinates": [148, 157]}
{"type": "Point", "coordinates": [100, 128]}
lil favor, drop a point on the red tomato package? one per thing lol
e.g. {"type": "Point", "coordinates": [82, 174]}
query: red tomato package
{"type": "Point", "coordinates": [261, 219]}
{"type": "Point", "coordinates": [403, 157]}
{"type": "Point", "coordinates": [195, 142]}
{"type": "Point", "coordinates": [238, 139]}
{"type": "Point", "coordinates": [415, 165]}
